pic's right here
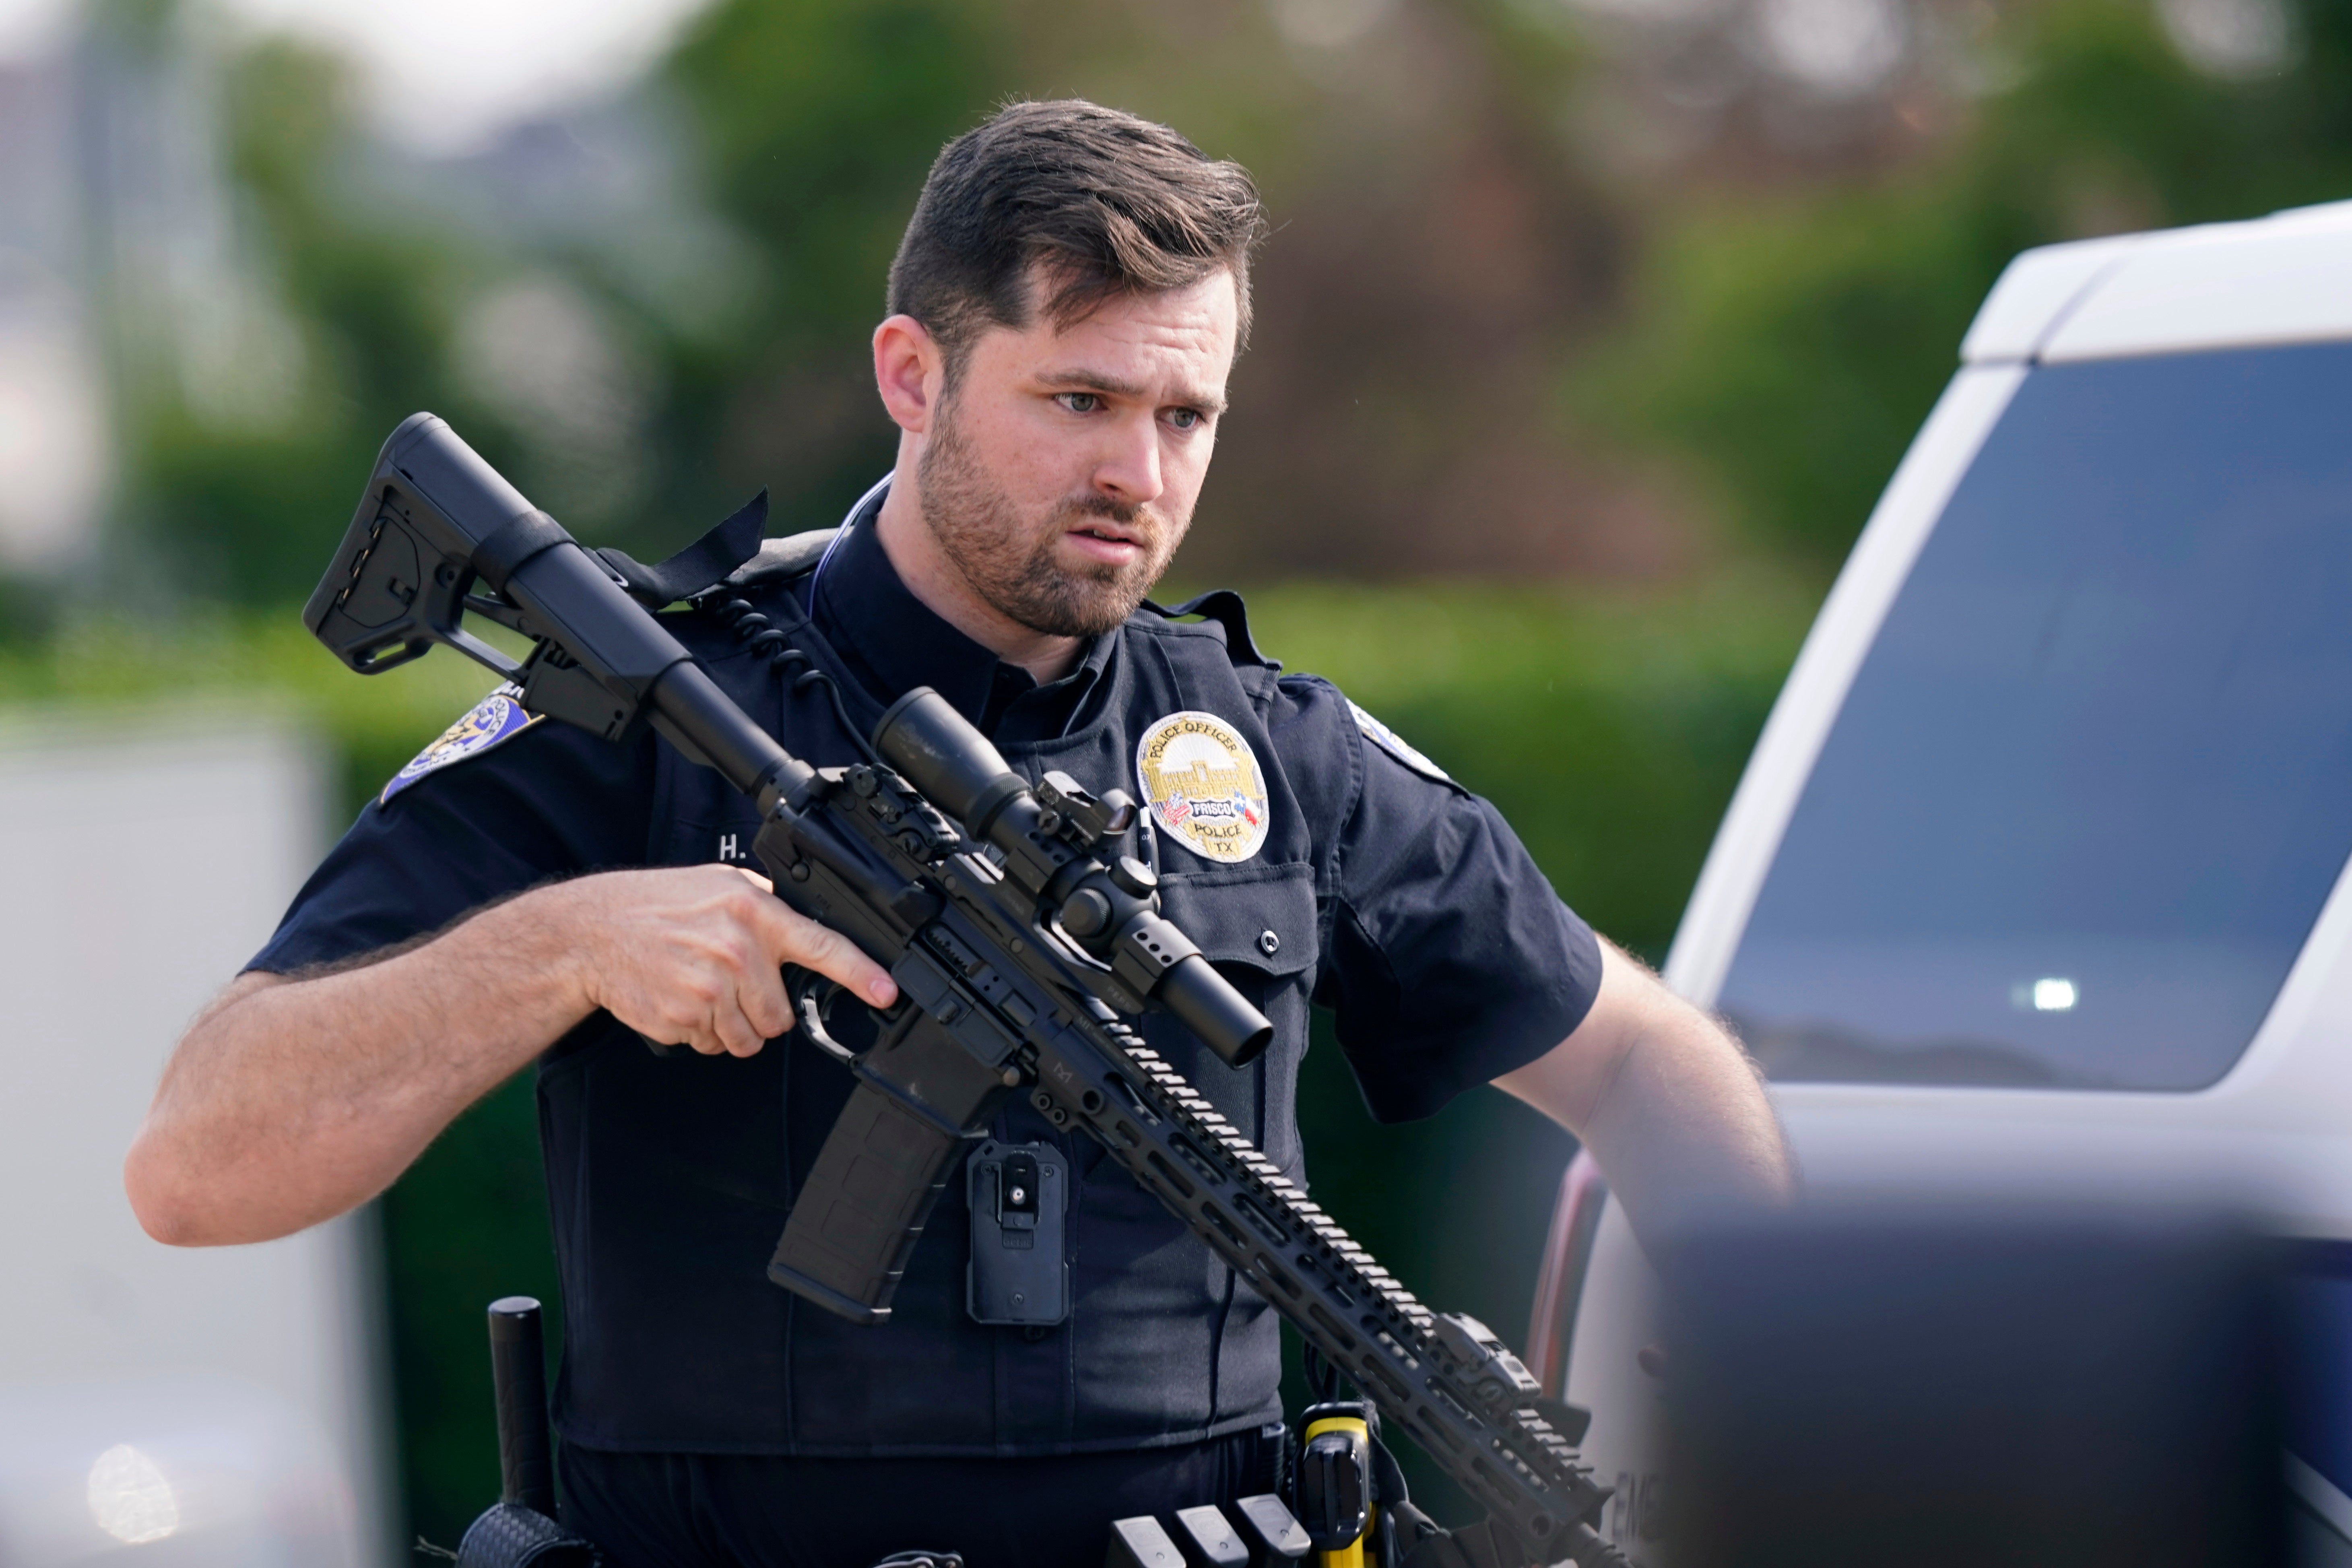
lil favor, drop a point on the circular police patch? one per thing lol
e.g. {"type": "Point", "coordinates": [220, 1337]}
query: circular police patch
{"type": "Point", "coordinates": [490, 720]}
{"type": "Point", "coordinates": [1205, 786]}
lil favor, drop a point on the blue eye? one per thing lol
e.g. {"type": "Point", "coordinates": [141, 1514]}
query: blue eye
{"type": "Point", "coordinates": [1185, 418]}
{"type": "Point", "coordinates": [1079, 402]}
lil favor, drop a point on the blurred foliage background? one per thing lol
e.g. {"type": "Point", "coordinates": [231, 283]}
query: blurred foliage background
{"type": "Point", "coordinates": [1589, 331]}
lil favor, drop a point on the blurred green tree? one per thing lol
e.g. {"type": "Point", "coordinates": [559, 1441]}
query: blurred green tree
{"type": "Point", "coordinates": [817, 122]}
{"type": "Point", "coordinates": [1790, 342]}
{"type": "Point", "coordinates": [243, 510]}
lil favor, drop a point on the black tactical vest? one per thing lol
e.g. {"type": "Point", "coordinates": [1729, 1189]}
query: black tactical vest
{"type": "Point", "coordinates": [671, 1175]}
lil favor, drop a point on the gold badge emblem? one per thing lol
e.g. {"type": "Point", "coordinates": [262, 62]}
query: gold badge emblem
{"type": "Point", "coordinates": [1205, 786]}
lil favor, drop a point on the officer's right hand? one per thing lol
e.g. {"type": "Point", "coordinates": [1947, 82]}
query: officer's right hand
{"type": "Point", "coordinates": [691, 956]}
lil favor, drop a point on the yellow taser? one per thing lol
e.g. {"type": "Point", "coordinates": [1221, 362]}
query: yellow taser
{"type": "Point", "coordinates": [1335, 1483]}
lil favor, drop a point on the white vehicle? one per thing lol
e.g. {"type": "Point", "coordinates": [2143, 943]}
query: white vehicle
{"type": "Point", "coordinates": [2037, 879]}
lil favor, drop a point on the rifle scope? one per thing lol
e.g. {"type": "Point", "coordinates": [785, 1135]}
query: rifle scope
{"type": "Point", "coordinates": [963, 773]}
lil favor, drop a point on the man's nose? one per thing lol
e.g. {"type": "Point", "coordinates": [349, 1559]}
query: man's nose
{"type": "Point", "coordinates": [1129, 470]}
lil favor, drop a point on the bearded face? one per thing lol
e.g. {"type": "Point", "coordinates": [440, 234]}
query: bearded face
{"type": "Point", "coordinates": [1013, 557]}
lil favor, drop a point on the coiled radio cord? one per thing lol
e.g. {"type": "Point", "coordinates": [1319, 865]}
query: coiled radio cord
{"type": "Point", "coordinates": [775, 644]}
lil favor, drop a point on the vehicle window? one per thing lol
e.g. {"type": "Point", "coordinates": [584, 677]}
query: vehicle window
{"type": "Point", "coordinates": [2094, 779]}
{"type": "Point", "coordinates": [2318, 1318]}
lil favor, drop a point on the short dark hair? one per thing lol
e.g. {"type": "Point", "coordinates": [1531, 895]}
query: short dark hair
{"type": "Point", "coordinates": [1107, 203]}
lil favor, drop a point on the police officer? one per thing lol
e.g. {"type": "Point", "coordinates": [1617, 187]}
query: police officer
{"type": "Point", "coordinates": [1063, 309]}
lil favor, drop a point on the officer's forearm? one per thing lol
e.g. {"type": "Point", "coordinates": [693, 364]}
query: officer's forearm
{"type": "Point", "coordinates": [291, 1102]}
{"type": "Point", "coordinates": [1669, 1104]}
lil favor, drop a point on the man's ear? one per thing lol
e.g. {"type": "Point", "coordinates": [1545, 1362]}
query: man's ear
{"type": "Point", "coordinates": [908, 371]}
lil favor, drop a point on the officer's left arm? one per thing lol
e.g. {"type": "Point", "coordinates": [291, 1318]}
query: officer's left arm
{"type": "Point", "coordinates": [1669, 1104]}
{"type": "Point", "coordinates": [1451, 962]}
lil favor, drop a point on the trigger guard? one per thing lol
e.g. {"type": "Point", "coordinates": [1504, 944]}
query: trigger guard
{"type": "Point", "coordinates": [810, 995]}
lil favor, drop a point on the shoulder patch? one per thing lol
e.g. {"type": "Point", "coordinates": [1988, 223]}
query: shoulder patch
{"type": "Point", "coordinates": [1389, 740]}
{"type": "Point", "coordinates": [1204, 784]}
{"type": "Point", "coordinates": [496, 718]}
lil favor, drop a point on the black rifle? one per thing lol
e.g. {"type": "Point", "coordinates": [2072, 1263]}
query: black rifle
{"type": "Point", "coordinates": [1020, 940]}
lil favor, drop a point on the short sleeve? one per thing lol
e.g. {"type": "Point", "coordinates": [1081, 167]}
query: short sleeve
{"type": "Point", "coordinates": [1450, 961]}
{"type": "Point", "coordinates": [549, 802]}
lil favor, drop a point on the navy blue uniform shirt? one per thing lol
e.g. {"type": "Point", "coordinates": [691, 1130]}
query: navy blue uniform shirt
{"type": "Point", "coordinates": [1380, 890]}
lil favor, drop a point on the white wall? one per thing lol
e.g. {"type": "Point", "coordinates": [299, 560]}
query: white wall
{"type": "Point", "coordinates": [142, 863]}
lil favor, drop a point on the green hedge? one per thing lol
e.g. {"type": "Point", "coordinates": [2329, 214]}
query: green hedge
{"type": "Point", "coordinates": [1610, 729]}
